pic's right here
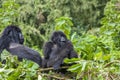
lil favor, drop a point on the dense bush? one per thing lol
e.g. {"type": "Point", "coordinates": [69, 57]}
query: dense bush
{"type": "Point", "coordinates": [99, 53]}
{"type": "Point", "coordinates": [98, 48]}
{"type": "Point", "coordinates": [36, 17]}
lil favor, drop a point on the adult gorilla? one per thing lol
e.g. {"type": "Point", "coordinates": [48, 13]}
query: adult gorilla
{"type": "Point", "coordinates": [12, 40]}
{"type": "Point", "coordinates": [57, 49]}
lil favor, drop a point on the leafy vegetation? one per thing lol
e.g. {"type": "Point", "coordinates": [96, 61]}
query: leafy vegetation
{"type": "Point", "coordinates": [96, 40]}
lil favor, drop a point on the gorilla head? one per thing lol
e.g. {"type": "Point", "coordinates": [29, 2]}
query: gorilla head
{"type": "Point", "coordinates": [59, 38]}
{"type": "Point", "coordinates": [14, 34]}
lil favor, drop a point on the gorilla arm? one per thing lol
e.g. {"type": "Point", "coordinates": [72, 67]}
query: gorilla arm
{"type": "Point", "coordinates": [56, 60]}
{"type": "Point", "coordinates": [72, 52]}
{"type": "Point", "coordinates": [58, 55]}
{"type": "Point", "coordinates": [4, 41]}
{"type": "Point", "coordinates": [2, 46]}
{"type": "Point", "coordinates": [47, 49]}
{"type": "Point", "coordinates": [24, 52]}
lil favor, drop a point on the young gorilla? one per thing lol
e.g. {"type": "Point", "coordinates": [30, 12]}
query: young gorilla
{"type": "Point", "coordinates": [12, 40]}
{"type": "Point", "coordinates": [57, 49]}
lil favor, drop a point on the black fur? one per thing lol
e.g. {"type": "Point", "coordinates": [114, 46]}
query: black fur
{"type": "Point", "coordinates": [57, 49]}
{"type": "Point", "coordinates": [12, 40]}
{"type": "Point", "coordinates": [24, 52]}
{"type": "Point", "coordinates": [10, 34]}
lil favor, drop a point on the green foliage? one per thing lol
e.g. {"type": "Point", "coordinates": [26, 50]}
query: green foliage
{"type": "Point", "coordinates": [38, 16]}
{"type": "Point", "coordinates": [76, 8]}
{"type": "Point", "coordinates": [99, 55]}
{"type": "Point", "coordinates": [98, 49]}
{"type": "Point", "coordinates": [64, 24]}
{"type": "Point", "coordinates": [11, 13]}
{"type": "Point", "coordinates": [111, 25]}
{"type": "Point", "coordinates": [15, 70]}
{"type": "Point", "coordinates": [8, 12]}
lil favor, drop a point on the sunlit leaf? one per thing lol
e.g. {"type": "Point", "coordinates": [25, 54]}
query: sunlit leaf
{"type": "Point", "coordinates": [75, 68]}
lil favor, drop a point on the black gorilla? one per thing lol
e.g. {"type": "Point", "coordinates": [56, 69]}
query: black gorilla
{"type": "Point", "coordinates": [57, 49]}
{"type": "Point", "coordinates": [10, 34]}
{"type": "Point", "coordinates": [12, 40]}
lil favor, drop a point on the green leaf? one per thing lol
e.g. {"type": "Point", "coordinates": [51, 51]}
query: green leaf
{"type": "Point", "coordinates": [98, 56]}
{"type": "Point", "coordinates": [73, 35]}
{"type": "Point", "coordinates": [83, 66]}
{"type": "Point", "coordinates": [106, 57]}
{"type": "Point", "coordinates": [72, 60]}
{"type": "Point", "coordinates": [75, 68]}
{"type": "Point", "coordinates": [15, 75]}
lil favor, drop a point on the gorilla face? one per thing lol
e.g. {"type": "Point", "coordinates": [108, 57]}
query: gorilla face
{"type": "Point", "coordinates": [59, 38]}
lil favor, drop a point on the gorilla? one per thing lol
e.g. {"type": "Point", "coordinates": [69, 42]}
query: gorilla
{"type": "Point", "coordinates": [56, 50]}
{"type": "Point", "coordinates": [10, 34]}
{"type": "Point", "coordinates": [12, 40]}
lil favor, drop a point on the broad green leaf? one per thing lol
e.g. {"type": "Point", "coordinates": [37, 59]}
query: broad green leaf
{"type": "Point", "coordinates": [75, 68]}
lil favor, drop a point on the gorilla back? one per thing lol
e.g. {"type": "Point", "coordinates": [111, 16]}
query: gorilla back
{"type": "Point", "coordinates": [12, 40]}
{"type": "Point", "coordinates": [25, 52]}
